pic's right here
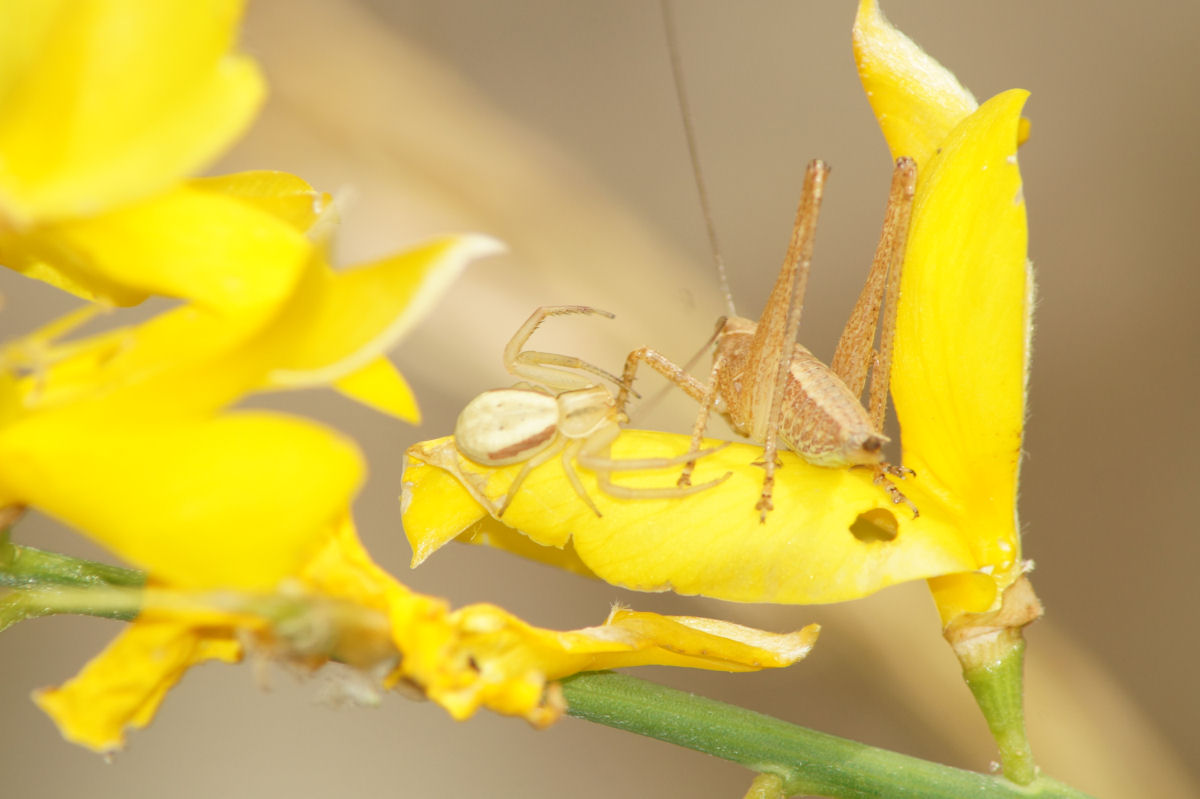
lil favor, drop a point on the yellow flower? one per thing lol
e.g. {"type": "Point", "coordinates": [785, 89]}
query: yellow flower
{"type": "Point", "coordinates": [339, 337]}
{"type": "Point", "coordinates": [338, 604]}
{"type": "Point", "coordinates": [107, 105]}
{"type": "Point", "coordinates": [123, 434]}
{"type": "Point", "coordinates": [962, 347]}
{"type": "Point", "coordinates": [241, 518]}
{"type": "Point", "coordinates": [958, 380]}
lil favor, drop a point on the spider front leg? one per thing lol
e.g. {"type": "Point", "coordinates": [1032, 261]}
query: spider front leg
{"type": "Point", "coordinates": [548, 368]}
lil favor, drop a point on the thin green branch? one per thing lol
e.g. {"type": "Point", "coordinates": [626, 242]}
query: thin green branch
{"type": "Point", "coordinates": [38, 577]}
{"type": "Point", "coordinates": [24, 566]}
{"type": "Point", "coordinates": [804, 761]}
{"type": "Point", "coordinates": [807, 761]}
{"type": "Point", "coordinates": [996, 685]}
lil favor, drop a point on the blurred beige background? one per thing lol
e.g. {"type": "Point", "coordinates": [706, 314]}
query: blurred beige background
{"type": "Point", "coordinates": [554, 126]}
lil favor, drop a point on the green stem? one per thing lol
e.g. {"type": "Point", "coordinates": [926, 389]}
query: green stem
{"type": "Point", "coordinates": [23, 566]}
{"type": "Point", "coordinates": [997, 686]}
{"type": "Point", "coordinates": [990, 647]}
{"type": "Point", "coordinates": [796, 760]}
{"type": "Point", "coordinates": [808, 762]}
{"type": "Point", "coordinates": [47, 583]}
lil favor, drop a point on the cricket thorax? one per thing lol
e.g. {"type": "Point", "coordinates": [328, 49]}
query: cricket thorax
{"type": "Point", "coordinates": [831, 427]}
{"type": "Point", "coordinates": [734, 342]}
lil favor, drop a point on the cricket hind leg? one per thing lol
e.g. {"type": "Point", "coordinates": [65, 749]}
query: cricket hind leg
{"type": "Point", "coordinates": [775, 339]}
{"type": "Point", "coordinates": [856, 354]}
{"type": "Point", "coordinates": [900, 202]}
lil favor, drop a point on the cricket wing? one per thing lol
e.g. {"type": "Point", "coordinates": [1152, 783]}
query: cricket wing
{"type": "Point", "coordinates": [775, 337]}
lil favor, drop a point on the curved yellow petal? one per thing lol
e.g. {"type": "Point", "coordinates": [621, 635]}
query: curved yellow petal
{"type": "Point", "coordinates": [284, 196]}
{"type": "Point", "coordinates": [961, 347]}
{"type": "Point", "coordinates": [362, 312]}
{"type": "Point", "coordinates": [380, 385]}
{"type": "Point", "coordinates": [107, 101]}
{"type": "Point", "coordinates": [343, 568]}
{"type": "Point", "coordinates": [240, 501]}
{"type": "Point", "coordinates": [916, 100]}
{"type": "Point", "coordinates": [435, 506]}
{"type": "Point", "coordinates": [690, 641]}
{"type": "Point", "coordinates": [816, 546]}
{"type": "Point", "coordinates": [475, 657]}
{"type": "Point", "coordinates": [191, 242]}
{"type": "Point", "coordinates": [967, 592]}
{"type": "Point", "coordinates": [124, 685]}
{"type": "Point", "coordinates": [437, 509]}
{"type": "Point", "coordinates": [482, 656]}
{"type": "Point", "coordinates": [183, 364]}
{"type": "Point", "coordinates": [493, 533]}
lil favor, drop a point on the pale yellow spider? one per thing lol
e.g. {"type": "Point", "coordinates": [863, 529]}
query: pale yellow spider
{"type": "Point", "coordinates": [561, 408]}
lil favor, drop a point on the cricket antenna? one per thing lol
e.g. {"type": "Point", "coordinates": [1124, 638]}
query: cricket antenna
{"type": "Point", "coordinates": [690, 132]}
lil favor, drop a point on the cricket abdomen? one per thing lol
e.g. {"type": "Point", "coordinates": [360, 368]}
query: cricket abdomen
{"type": "Point", "coordinates": [822, 421]}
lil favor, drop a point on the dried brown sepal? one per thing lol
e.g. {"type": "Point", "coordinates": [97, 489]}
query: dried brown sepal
{"type": "Point", "coordinates": [979, 638]}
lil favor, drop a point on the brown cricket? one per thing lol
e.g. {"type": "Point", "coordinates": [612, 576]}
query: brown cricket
{"type": "Point", "coordinates": [769, 387]}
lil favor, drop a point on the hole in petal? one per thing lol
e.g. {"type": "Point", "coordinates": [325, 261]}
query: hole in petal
{"type": "Point", "coordinates": [877, 524]}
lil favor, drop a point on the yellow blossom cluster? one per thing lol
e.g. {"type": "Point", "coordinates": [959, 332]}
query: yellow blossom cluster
{"type": "Point", "coordinates": [240, 518]}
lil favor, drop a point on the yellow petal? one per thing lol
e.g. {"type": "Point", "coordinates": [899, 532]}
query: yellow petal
{"type": "Point", "coordinates": [343, 568]}
{"type": "Point", "coordinates": [916, 100]}
{"type": "Point", "coordinates": [965, 593]}
{"type": "Point", "coordinates": [475, 657]}
{"type": "Point", "coordinates": [218, 251]}
{"type": "Point", "coordinates": [107, 101]}
{"type": "Point", "coordinates": [363, 311]}
{"type": "Point", "coordinates": [437, 508]}
{"type": "Point", "coordinates": [182, 364]}
{"type": "Point", "coordinates": [123, 686]}
{"type": "Point", "coordinates": [691, 641]}
{"type": "Point", "coordinates": [482, 656]}
{"type": "Point", "coordinates": [813, 548]}
{"type": "Point", "coordinates": [284, 196]}
{"type": "Point", "coordinates": [240, 501]}
{"type": "Point", "coordinates": [959, 370]}
{"type": "Point", "coordinates": [490, 532]}
{"type": "Point", "coordinates": [380, 385]}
